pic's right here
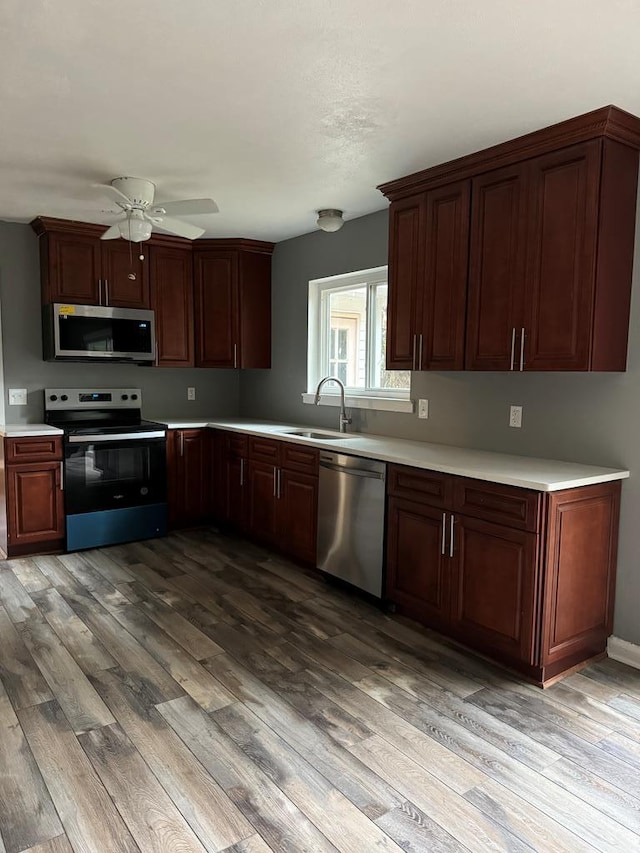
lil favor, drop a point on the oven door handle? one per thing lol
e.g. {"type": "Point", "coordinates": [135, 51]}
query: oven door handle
{"type": "Point", "coordinates": [121, 436]}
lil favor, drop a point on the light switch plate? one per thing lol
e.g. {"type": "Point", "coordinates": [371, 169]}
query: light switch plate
{"type": "Point", "coordinates": [17, 396]}
{"type": "Point", "coordinates": [191, 393]}
{"type": "Point", "coordinates": [515, 416]}
{"type": "Point", "coordinates": [423, 408]}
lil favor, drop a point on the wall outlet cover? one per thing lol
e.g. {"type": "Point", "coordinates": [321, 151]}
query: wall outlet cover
{"type": "Point", "coordinates": [191, 393]}
{"type": "Point", "coordinates": [423, 408]}
{"type": "Point", "coordinates": [515, 417]}
{"type": "Point", "coordinates": [17, 396]}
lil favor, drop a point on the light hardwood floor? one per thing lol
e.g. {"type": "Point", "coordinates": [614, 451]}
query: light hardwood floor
{"type": "Point", "coordinates": [198, 693]}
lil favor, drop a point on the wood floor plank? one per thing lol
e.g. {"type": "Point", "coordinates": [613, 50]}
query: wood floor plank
{"type": "Point", "coordinates": [150, 815]}
{"type": "Point", "coordinates": [452, 812]}
{"type": "Point", "coordinates": [624, 748]}
{"type": "Point", "coordinates": [21, 677]}
{"type": "Point", "coordinates": [58, 575]}
{"type": "Point", "coordinates": [255, 844]}
{"type": "Point", "coordinates": [347, 828]}
{"type": "Point", "coordinates": [127, 651]}
{"type": "Point", "coordinates": [627, 705]}
{"type": "Point", "coordinates": [88, 815]}
{"type": "Point", "coordinates": [525, 821]}
{"type": "Point", "coordinates": [109, 568]}
{"type": "Point", "coordinates": [366, 790]}
{"type": "Point", "coordinates": [194, 642]}
{"type": "Point", "coordinates": [28, 574]}
{"type": "Point", "coordinates": [14, 597]}
{"type": "Point", "coordinates": [103, 591]}
{"type": "Point", "coordinates": [589, 687]}
{"type": "Point", "coordinates": [277, 820]}
{"type": "Point", "coordinates": [614, 674]}
{"type": "Point", "coordinates": [599, 712]}
{"type": "Point", "coordinates": [416, 832]}
{"type": "Point", "coordinates": [79, 701]}
{"type": "Point", "coordinates": [27, 814]}
{"type": "Point", "coordinates": [209, 812]}
{"type": "Point", "coordinates": [86, 650]}
{"type": "Point", "coordinates": [56, 845]}
{"type": "Point", "coordinates": [187, 672]}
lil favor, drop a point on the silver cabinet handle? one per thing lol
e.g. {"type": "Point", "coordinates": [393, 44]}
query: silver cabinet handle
{"type": "Point", "coordinates": [106, 292]}
{"type": "Point", "coordinates": [181, 444]}
{"type": "Point", "coordinates": [242, 472]}
{"type": "Point", "coordinates": [275, 482]}
{"type": "Point", "coordinates": [522, 340]}
{"type": "Point", "coordinates": [157, 356]}
{"type": "Point", "coordinates": [100, 291]}
{"type": "Point", "coordinates": [62, 476]}
{"type": "Point", "coordinates": [444, 532]}
{"type": "Point", "coordinates": [278, 480]}
{"type": "Point", "coordinates": [420, 354]}
{"type": "Point", "coordinates": [451, 535]}
{"type": "Point", "coordinates": [413, 360]}
{"type": "Point", "coordinates": [235, 355]}
{"type": "Point", "coordinates": [513, 347]}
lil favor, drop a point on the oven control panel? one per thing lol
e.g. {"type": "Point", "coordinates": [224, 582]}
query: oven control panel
{"type": "Point", "coordinates": [92, 398]}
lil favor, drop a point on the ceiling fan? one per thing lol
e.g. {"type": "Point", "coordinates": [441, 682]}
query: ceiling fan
{"type": "Point", "coordinates": [134, 197]}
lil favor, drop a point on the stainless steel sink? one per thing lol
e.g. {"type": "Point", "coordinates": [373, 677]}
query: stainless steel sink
{"type": "Point", "coordinates": [320, 436]}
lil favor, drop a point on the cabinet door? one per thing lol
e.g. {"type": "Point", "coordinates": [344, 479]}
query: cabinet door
{"type": "Point", "coordinates": [493, 592]}
{"type": "Point", "coordinates": [406, 272]}
{"type": "Point", "coordinates": [417, 568]}
{"type": "Point", "coordinates": [217, 334]}
{"type": "Point", "coordinates": [172, 301]}
{"type": "Point", "coordinates": [262, 518]}
{"type": "Point", "coordinates": [297, 515]}
{"type": "Point", "coordinates": [71, 268]}
{"type": "Point", "coordinates": [237, 490]}
{"type": "Point", "coordinates": [35, 506]}
{"type": "Point", "coordinates": [120, 260]}
{"type": "Point", "coordinates": [254, 306]}
{"type": "Point", "coordinates": [442, 294]}
{"type": "Point", "coordinates": [496, 269]}
{"type": "Point", "coordinates": [188, 475]}
{"type": "Point", "coordinates": [560, 276]}
{"type": "Point", "coordinates": [175, 479]}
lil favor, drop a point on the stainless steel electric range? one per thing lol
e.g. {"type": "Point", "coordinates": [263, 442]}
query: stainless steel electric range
{"type": "Point", "coordinates": [115, 469]}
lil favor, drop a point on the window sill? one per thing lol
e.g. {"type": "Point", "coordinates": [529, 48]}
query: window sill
{"type": "Point", "coordinates": [381, 404]}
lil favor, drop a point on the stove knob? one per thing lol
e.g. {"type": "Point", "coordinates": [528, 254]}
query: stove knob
{"type": "Point", "coordinates": [124, 396]}
{"type": "Point", "coordinates": [64, 398]}
{"type": "Point", "coordinates": [134, 396]}
{"type": "Point", "coordinates": [53, 398]}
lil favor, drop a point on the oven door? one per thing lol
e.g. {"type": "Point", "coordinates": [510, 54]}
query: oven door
{"type": "Point", "coordinates": [114, 471]}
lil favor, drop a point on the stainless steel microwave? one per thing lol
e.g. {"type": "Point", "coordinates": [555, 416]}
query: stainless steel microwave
{"type": "Point", "coordinates": [93, 332]}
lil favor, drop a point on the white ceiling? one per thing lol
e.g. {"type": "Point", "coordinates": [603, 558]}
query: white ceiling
{"type": "Point", "coordinates": [278, 107]}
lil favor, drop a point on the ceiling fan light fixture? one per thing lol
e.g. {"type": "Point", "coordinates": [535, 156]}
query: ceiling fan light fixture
{"type": "Point", "coordinates": [330, 220]}
{"type": "Point", "coordinates": [135, 228]}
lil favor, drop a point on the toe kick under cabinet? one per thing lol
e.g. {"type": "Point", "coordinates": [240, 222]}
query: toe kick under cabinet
{"type": "Point", "coordinates": [522, 576]}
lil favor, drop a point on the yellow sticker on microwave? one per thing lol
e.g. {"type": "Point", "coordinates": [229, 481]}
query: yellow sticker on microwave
{"type": "Point", "coordinates": [67, 309]}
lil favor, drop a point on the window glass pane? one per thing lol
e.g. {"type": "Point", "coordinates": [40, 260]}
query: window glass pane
{"type": "Point", "coordinates": [348, 336]}
{"type": "Point", "coordinates": [383, 378]}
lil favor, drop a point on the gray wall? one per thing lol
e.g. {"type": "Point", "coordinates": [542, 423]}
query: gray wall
{"type": "Point", "coordinates": [592, 418]}
{"type": "Point", "coordinates": [164, 390]}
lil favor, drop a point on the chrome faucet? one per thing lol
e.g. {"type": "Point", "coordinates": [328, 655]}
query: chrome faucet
{"type": "Point", "coordinates": [344, 420]}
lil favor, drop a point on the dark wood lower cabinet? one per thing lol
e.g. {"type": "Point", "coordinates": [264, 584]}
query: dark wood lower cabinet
{"type": "Point", "coordinates": [532, 588]}
{"type": "Point", "coordinates": [263, 501]}
{"type": "Point", "coordinates": [32, 493]}
{"type": "Point", "coordinates": [188, 476]}
{"type": "Point", "coordinates": [297, 514]}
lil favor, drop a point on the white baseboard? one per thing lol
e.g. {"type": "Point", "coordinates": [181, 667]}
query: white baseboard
{"type": "Point", "coordinates": [624, 652]}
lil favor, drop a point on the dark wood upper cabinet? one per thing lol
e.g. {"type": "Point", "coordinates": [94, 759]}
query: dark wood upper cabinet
{"type": "Point", "coordinates": [233, 303]}
{"type": "Point", "coordinates": [496, 268]}
{"type": "Point", "coordinates": [172, 301]}
{"type": "Point", "coordinates": [70, 268]}
{"type": "Point", "coordinates": [550, 252]}
{"type": "Point", "coordinates": [120, 261]}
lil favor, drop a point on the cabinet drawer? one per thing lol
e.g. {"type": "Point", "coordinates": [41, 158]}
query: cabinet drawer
{"type": "Point", "coordinates": [508, 505]}
{"type": "Point", "coordinates": [37, 449]}
{"type": "Point", "coordinates": [264, 449]}
{"type": "Point", "coordinates": [237, 445]}
{"type": "Point", "coordinates": [427, 487]}
{"type": "Point", "coordinates": [296, 458]}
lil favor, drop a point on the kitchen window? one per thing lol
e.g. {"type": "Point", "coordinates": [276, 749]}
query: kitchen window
{"type": "Point", "coordinates": [347, 339]}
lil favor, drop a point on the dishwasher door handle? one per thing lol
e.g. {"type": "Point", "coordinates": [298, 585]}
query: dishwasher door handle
{"type": "Point", "coordinates": [353, 472]}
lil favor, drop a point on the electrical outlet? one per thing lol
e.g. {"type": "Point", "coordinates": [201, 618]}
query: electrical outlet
{"type": "Point", "coordinates": [515, 416]}
{"type": "Point", "coordinates": [423, 409]}
{"type": "Point", "coordinates": [191, 393]}
{"type": "Point", "coordinates": [17, 396]}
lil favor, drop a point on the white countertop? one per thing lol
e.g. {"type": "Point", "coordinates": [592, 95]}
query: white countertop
{"type": "Point", "coordinates": [28, 430]}
{"type": "Point", "coordinates": [543, 475]}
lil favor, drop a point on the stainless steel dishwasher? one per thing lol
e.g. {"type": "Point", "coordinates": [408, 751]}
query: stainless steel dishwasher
{"type": "Point", "coordinates": [351, 519]}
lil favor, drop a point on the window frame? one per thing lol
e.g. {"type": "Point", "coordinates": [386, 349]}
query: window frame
{"type": "Point", "coordinates": [391, 399]}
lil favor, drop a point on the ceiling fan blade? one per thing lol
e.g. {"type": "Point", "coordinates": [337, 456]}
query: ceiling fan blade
{"type": "Point", "coordinates": [187, 206]}
{"type": "Point", "coordinates": [176, 226]}
{"type": "Point", "coordinates": [120, 197]}
{"type": "Point", "coordinates": [111, 233]}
